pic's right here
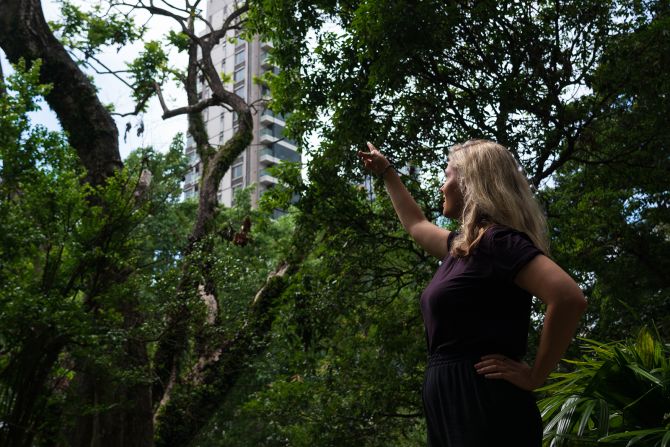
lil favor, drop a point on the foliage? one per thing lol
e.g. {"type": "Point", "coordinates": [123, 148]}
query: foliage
{"type": "Point", "coordinates": [609, 208]}
{"type": "Point", "coordinates": [618, 394]}
{"type": "Point", "coordinates": [54, 237]}
{"type": "Point", "coordinates": [41, 202]}
{"type": "Point", "coordinates": [345, 361]}
{"type": "Point", "coordinates": [546, 80]}
{"type": "Point", "coordinates": [552, 81]}
{"type": "Point", "coordinates": [90, 32]}
{"type": "Point", "coordinates": [148, 68]}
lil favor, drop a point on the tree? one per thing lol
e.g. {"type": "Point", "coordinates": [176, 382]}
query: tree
{"type": "Point", "coordinates": [165, 325]}
{"type": "Point", "coordinates": [539, 77]}
{"type": "Point", "coordinates": [119, 378]}
{"type": "Point", "coordinates": [553, 81]}
{"type": "Point", "coordinates": [609, 208]}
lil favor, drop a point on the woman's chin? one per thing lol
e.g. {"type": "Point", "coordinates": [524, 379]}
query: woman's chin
{"type": "Point", "coordinates": [446, 212]}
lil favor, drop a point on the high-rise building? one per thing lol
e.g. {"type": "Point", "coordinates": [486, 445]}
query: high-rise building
{"type": "Point", "coordinates": [245, 61]}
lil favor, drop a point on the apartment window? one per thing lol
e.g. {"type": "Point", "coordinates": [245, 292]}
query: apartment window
{"type": "Point", "coordinates": [236, 123]}
{"type": "Point", "coordinates": [196, 168]}
{"type": "Point", "coordinates": [220, 137]}
{"type": "Point", "coordinates": [235, 189]}
{"type": "Point", "coordinates": [239, 75]}
{"type": "Point", "coordinates": [240, 91]}
{"type": "Point", "coordinates": [240, 57]}
{"type": "Point", "coordinates": [237, 171]}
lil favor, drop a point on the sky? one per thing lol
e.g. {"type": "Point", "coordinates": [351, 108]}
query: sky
{"type": "Point", "coordinates": [157, 132]}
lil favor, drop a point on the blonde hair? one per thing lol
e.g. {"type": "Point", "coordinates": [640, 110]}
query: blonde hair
{"type": "Point", "coordinates": [495, 191]}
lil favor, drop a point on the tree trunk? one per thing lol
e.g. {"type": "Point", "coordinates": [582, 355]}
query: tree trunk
{"type": "Point", "coordinates": [27, 375]}
{"type": "Point", "coordinates": [24, 33]}
{"type": "Point", "coordinates": [203, 390]}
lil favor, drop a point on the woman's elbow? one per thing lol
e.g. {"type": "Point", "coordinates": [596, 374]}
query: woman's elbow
{"type": "Point", "coordinates": [575, 300]}
{"type": "Point", "coordinates": [566, 296]}
{"type": "Point", "coordinates": [580, 302]}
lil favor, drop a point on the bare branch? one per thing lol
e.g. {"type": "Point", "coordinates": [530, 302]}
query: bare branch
{"type": "Point", "coordinates": [164, 12]}
{"type": "Point", "coordinates": [138, 108]}
{"type": "Point", "coordinates": [215, 36]}
{"type": "Point", "coordinates": [258, 103]}
{"type": "Point", "coordinates": [186, 10]}
{"type": "Point", "coordinates": [108, 71]}
{"type": "Point", "coordinates": [198, 107]}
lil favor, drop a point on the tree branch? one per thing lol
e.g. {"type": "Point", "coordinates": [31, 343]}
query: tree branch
{"type": "Point", "coordinates": [108, 70]}
{"type": "Point", "coordinates": [196, 108]}
{"type": "Point", "coordinates": [2, 81]}
{"type": "Point", "coordinates": [138, 108]}
{"type": "Point", "coordinates": [151, 8]}
{"type": "Point", "coordinates": [215, 36]}
{"type": "Point", "coordinates": [180, 416]}
{"type": "Point", "coordinates": [25, 33]}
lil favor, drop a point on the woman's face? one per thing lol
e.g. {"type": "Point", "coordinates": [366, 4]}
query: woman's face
{"type": "Point", "coordinates": [453, 198]}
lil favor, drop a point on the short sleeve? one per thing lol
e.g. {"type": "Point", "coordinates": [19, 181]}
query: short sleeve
{"type": "Point", "coordinates": [450, 239]}
{"type": "Point", "coordinates": [510, 251]}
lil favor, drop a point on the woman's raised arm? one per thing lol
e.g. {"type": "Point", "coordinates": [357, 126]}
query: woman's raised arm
{"type": "Point", "coordinates": [429, 236]}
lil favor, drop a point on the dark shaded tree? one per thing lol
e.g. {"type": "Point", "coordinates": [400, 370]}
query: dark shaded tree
{"type": "Point", "coordinates": [132, 384]}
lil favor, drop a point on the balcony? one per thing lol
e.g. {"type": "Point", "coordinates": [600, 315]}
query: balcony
{"type": "Point", "coordinates": [267, 136]}
{"type": "Point", "coordinates": [266, 45]}
{"type": "Point", "coordinates": [266, 64]}
{"type": "Point", "coordinates": [268, 117]}
{"type": "Point", "coordinates": [268, 157]}
{"type": "Point", "coordinates": [288, 144]}
{"type": "Point", "coordinates": [265, 178]}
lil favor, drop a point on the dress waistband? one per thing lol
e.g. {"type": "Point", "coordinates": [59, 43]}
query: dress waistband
{"type": "Point", "coordinates": [443, 358]}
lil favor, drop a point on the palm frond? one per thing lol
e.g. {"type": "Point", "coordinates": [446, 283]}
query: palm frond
{"type": "Point", "coordinates": [618, 394]}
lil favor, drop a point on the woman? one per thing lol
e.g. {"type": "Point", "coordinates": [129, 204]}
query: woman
{"type": "Point", "coordinates": [476, 310]}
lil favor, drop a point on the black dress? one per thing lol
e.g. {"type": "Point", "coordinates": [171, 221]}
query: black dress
{"type": "Point", "coordinates": [472, 308]}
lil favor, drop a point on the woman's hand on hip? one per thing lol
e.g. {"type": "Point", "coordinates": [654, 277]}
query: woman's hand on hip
{"type": "Point", "coordinates": [374, 160]}
{"type": "Point", "coordinates": [497, 366]}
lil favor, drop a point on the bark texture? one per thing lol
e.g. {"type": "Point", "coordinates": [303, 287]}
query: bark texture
{"type": "Point", "coordinates": [126, 420]}
{"type": "Point", "coordinates": [184, 395]}
{"type": "Point", "coordinates": [24, 33]}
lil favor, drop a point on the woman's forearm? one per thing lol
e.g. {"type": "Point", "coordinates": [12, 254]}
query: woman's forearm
{"type": "Point", "coordinates": [430, 237]}
{"type": "Point", "coordinates": [405, 206]}
{"type": "Point", "coordinates": [560, 323]}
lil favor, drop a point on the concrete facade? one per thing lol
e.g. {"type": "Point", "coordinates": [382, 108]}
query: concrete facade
{"type": "Point", "coordinates": [243, 61]}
